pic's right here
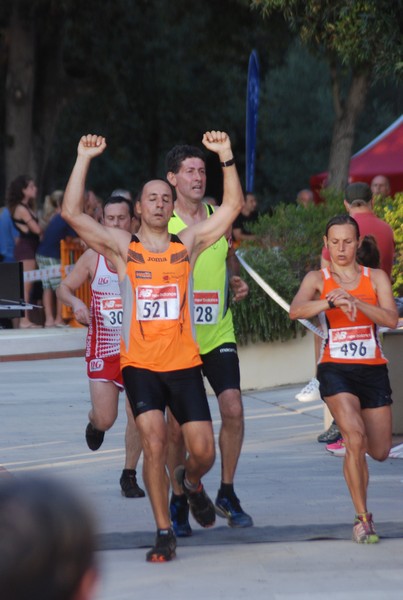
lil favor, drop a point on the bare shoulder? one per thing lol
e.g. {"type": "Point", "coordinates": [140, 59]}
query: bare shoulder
{"type": "Point", "coordinates": [379, 278]}
{"type": "Point", "coordinates": [313, 278]}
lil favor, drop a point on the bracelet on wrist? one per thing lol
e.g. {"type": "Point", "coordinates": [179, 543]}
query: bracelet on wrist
{"type": "Point", "coordinates": [228, 163]}
{"type": "Point", "coordinates": [331, 304]}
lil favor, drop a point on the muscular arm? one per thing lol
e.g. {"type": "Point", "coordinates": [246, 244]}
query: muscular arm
{"type": "Point", "coordinates": [201, 235]}
{"type": "Point", "coordinates": [306, 303]}
{"type": "Point", "coordinates": [105, 240]}
{"type": "Point", "coordinates": [82, 271]}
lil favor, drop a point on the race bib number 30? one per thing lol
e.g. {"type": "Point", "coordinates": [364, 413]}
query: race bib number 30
{"type": "Point", "coordinates": [352, 343]}
{"type": "Point", "coordinates": [206, 306]}
{"type": "Point", "coordinates": [111, 311]}
{"type": "Point", "coordinates": [157, 302]}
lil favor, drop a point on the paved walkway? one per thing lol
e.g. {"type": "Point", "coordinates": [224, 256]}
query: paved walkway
{"type": "Point", "coordinates": [300, 546]}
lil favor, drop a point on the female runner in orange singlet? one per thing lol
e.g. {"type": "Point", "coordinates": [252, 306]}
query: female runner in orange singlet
{"type": "Point", "coordinates": [352, 369]}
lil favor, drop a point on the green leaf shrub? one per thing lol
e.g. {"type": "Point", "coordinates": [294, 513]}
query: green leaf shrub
{"type": "Point", "coordinates": [289, 245]}
{"type": "Point", "coordinates": [391, 211]}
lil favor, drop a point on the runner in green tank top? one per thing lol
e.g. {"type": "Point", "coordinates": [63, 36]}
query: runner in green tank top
{"type": "Point", "coordinates": [186, 172]}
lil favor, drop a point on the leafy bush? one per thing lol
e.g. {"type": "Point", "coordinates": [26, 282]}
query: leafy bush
{"type": "Point", "coordinates": [289, 245]}
{"type": "Point", "coordinates": [258, 318]}
{"type": "Point", "coordinates": [391, 211]}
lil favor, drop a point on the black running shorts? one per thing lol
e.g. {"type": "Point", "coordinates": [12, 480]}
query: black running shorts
{"type": "Point", "coordinates": [221, 367]}
{"type": "Point", "coordinates": [370, 383]}
{"type": "Point", "coordinates": [182, 391]}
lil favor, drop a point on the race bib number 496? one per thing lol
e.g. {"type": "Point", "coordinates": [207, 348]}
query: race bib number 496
{"type": "Point", "coordinates": [157, 302]}
{"type": "Point", "coordinates": [352, 343]}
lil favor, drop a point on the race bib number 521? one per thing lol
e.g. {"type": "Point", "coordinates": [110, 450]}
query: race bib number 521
{"type": "Point", "coordinates": [352, 343]}
{"type": "Point", "coordinates": [157, 302]}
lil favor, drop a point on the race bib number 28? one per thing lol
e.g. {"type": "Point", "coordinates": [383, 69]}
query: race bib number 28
{"type": "Point", "coordinates": [352, 343]}
{"type": "Point", "coordinates": [157, 302]}
{"type": "Point", "coordinates": [206, 305]}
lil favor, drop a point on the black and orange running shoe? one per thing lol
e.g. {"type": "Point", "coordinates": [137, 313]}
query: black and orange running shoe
{"type": "Point", "coordinates": [164, 548]}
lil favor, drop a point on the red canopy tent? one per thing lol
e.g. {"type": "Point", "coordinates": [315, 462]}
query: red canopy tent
{"type": "Point", "coordinates": [382, 156]}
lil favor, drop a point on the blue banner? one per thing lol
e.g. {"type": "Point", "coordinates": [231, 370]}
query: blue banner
{"type": "Point", "coordinates": [252, 106]}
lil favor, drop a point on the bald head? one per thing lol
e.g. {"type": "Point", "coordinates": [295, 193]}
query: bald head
{"type": "Point", "coordinates": [380, 186]}
{"type": "Point", "coordinates": [305, 198]}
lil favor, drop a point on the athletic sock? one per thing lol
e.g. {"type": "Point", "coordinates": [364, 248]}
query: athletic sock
{"type": "Point", "coordinates": [192, 487]}
{"type": "Point", "coordinates": [226, 490]}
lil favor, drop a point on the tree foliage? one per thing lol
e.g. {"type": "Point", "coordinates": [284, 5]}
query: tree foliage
{"type": "Point", "coordinates": [146, 73]}
{"type": "Point", "coordinates": [391, 211]}
{"type": "Point", "coordinates": [362, 41]}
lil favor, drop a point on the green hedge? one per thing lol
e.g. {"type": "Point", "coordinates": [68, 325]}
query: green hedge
{"type": "Point", "coordinates": [391, 211]}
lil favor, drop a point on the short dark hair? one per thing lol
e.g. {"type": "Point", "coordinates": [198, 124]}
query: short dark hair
{"type": "Point", "coordinates": [358, 193]}
{"type": "Point", "coordinates": [118, 200]}
{"type": "Point", "coordinates": [343, 220]}
{"type": "Point", "coordinates": [179, 153]}
{"type": "Point", "coordinates": [47, 540]}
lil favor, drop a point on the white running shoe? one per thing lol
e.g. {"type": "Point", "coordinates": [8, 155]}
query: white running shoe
{"type": "Point", "coordinates": [310, 392]}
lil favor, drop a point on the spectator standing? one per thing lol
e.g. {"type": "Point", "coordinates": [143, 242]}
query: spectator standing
{"type": "Point", "coordinates": [380, 186]}
{"type": "Point", "coordinates": [305, 198]}
{"type": "Point", "coordinates": [247, 216]}
{"type": "Point", "coordinates": [21, 201]}
{"type": "Point", "coordinates": [48, 258]}
{"type": "Point", "coordinates": [8, 236]}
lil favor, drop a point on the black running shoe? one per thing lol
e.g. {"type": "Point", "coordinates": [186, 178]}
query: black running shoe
{"type": "Point", "coordinates": [330, 436]}
{"type": "Point", "coordinates": [200, 504]}
{"type": "Point", "coordinates": [179, 509]}
{"type": "Point", "coordinates": [94, 437]}
{"type": "Point", "coordinates": [129, 486]}
{"type": "Point", "coordinates": [164, 548]}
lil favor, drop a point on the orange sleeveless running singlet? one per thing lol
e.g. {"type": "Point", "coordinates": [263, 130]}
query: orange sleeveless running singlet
{"type": "Point", "coordinates": [351, 342]}
{"type": "Point", "coordinates": [157, 330]}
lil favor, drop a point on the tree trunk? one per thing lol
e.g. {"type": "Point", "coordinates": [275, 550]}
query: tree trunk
{"type": "Point", "coordinates": [20, 83]}
{"type": "Point", "coordinates": [50, 95]}
{"type": "Point", "coordinates": [347, 113]}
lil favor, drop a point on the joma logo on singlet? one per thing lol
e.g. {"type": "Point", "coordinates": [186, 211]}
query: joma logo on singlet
{"type": "Point", "coordinates": [157, 259]}
{"type": "Point", "coordinates": [103, 280]}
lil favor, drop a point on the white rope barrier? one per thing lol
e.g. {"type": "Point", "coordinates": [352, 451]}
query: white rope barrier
{"type": "Point", "coordinates": [276, 297]}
